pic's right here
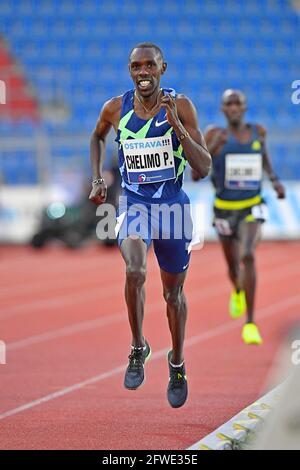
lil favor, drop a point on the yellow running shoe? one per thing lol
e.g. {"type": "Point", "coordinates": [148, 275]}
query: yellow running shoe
{"type": "Point", "coordinates": [250, 334]}
{"type": "Point", "coordinates": [237, 304]}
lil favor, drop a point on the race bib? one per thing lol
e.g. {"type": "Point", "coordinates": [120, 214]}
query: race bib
{"type": "Point", "coordinates": [149, 160]}
{"type": "Point", "coordinates": [243, 171]}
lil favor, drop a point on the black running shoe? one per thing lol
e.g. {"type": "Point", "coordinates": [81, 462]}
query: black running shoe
{"type": "Point", "coordinates": [177, 388]}
{"type": "Point", "coordinates": [134, 375]}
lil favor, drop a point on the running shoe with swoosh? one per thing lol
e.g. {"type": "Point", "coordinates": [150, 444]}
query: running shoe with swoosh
{"type": "Point", "coordinates": [135, 374]}
{"type": "Point", "coordinates": [177, 389]}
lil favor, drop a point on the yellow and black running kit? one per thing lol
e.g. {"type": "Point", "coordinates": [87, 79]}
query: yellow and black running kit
{"type": "Point", "coordinates": [237, 175]}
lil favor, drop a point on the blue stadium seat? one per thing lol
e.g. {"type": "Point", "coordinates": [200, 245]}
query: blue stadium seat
{"type": "Point", "coordinates": [78, 51]}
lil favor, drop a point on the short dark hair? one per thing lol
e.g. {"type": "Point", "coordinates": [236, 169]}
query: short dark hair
{"type": "Point", "coordinates": [231, 92]}
{"type": "Point", "coordinates": [148, 45]}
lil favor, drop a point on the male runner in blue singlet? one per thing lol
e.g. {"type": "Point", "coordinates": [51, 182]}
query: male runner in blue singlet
{"type": "Point", "coordinates": [146, 118]}
{"type": "Point", "coordinates": [239, 156]}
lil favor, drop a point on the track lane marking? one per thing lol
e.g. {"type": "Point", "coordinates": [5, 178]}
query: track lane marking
{"type": "Point", "coordinates": [87, 325]}
{"type": "Point", "coordinates": [219, 330]}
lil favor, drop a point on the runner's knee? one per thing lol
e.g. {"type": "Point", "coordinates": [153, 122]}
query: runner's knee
{"type": "Point", "coordinates": [173, 296]}
{"type": "Point", "coordinates": [135, 274]}
{"type": "Point", "coordinates": [248, 257]}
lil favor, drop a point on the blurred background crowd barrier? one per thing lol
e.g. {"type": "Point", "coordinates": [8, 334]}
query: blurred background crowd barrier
{"type": "Point", "coordinates": [61, 60]}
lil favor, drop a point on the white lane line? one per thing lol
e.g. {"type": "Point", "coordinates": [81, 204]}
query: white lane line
{"type": "Point", "coordinates": [206, 293]}
{"type": "Point", "coordinates": [62, 392]}
{"type": "Point", "coordinates": [68, 330]}
{"type": "Point", "coordinates": [64, 300]}
{"type": "Point", "coordinates": [87, 325]}
{"type": "Point", "coordinates": [43, 286]}
{"type": "Point", "coordinates": [61, 272]}
{"type": "Point", "coordinates": [72, 298]}
{"type": "Point", "coordinates": [43, 283]}
{"type": "Point", "coordinates": [264, 313]}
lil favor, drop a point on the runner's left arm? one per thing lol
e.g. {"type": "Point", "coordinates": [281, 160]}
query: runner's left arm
{"type": "Point", "coordinates": [267, 164]}
{"type": "Point", "coordinates": [182, 116]}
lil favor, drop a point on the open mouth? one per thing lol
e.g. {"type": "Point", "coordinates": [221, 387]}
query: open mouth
{"type": "Point", "coordinates": [143, 84]}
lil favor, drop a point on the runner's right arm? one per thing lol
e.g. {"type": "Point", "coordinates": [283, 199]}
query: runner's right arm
{"type": "Point", "coordinates": [267, 164]}
{"type": "Point", "coordinates": [215, 138]}
{"type": "Point", "coordinates": [108, 118]}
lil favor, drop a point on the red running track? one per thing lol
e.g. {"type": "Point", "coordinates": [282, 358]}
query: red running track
{"type": "Point", "coordinates": [64, 321]}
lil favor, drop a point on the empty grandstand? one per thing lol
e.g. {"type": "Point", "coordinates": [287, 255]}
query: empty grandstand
{"type": "Point", "coordinates": [62, 59]}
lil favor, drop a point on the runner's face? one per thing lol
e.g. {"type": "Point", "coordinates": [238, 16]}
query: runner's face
{"type": "Point", "coordinates": [146, 67]}
{"type": "Point", "coordinates": [234, 108]}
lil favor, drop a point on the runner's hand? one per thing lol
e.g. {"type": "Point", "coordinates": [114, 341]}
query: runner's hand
{"type": "Point", "coordinates": [98, 194]}
{"type": "Point", "coordinates": [169, 103]}
{"type": "Point", "coordinates": [279, 188]}
{"type": "Point", "coordinates": [219, 139]}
